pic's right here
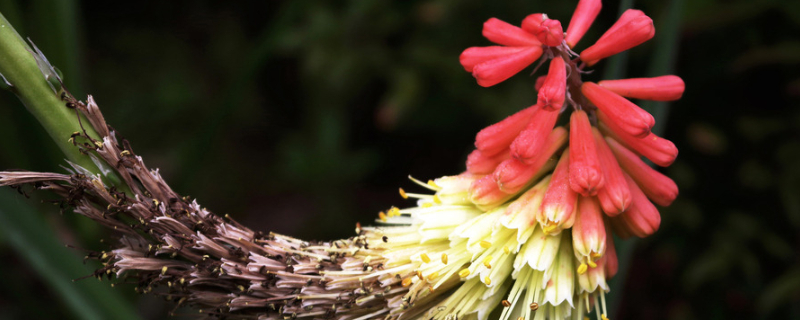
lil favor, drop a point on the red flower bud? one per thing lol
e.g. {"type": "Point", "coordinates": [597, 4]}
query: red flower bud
{"type": "Point", "coordinates": [532, 22]}
{"type": "Point", "coordinates": [611, 263]}
{"type": "Point", "coordinates": [632, 29]}
{"type": "Point", "coordinates": [476, 55]}
{"type": "Point", "coordinates": [478, 163]}
{"type": "Point", "coordinates": [663, 88]}
{"type": "Point", "coordinates": [531, 140]}
{"type": "Point", "coordinates": [585, 174]}
{"type": "Point", "coordinates": [485, 193]}
{"type": "Point", "coordinates": [659, 150]}
{"type": "Point", "coordinates": [552, 93]}
{"type": "Point", "coordinates": [559, 200]}
{"type": "Point", "coordinates": [625, 114]}
{"type": "Point", "coordinates": [615, 196]}
{"type": "Point", "coordinates": [550, 33]}
{"type": "Point", "coordinates": [512, 175]}
{"type": "Point", "coordinates": [497, 137]}
{"type": "Point", "coordinates": [582, 19]}
{"type": "Point", "coordinates": [539, 82]}
{"type": "Point", "coordinates": [642, 218]}
{"type": "Point", "coordinates": [658, 187]}
{"type": "Point", "coordinates": [589, 232]}
{"type": "Point", "coordinates": [497, 70]}
{"type": "Point", "coordinates": [503, 33]}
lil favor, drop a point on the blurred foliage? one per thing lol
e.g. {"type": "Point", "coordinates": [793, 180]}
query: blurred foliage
{"type": "Point", "coordinates": [303, 117]}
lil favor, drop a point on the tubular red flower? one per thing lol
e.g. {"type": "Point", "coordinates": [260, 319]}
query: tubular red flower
{"type": "Point", "coordinates": [497, 137]}
{"type": "Point", "coordinates": [532, 22]}
{"type": "Point", "coordinates": [615, 196]}
{"type": "Point", "coordinates": [663, 88]}
{"type": "Point", "coordinates": [559, 200]}
{"type": "Point", "coordinates": [485, 192]}
{"type": "Point", "coordinates": [474, 56]}
{"type": "Point", "coordinates": [497, 70]}
{"type": "Point", "coordinates": [539, 82]}
{"type": "Point", "coordinates": [585, 174]}
{"type": "Point", "coordinates": [582, 19]}
{"type": "Point", "coordinates": [642, 218]}
{"type": "Point", "coordinates": [478, 163]}
{"type": "Point", "coordinates": [512, 176]}
{"type": "Point", "coordinates": [589, 232]}
{"type": "Point", "coordinates": [626, 115]}
{"type": "Point", "coordinates": [658, 187]}
{"type": "Point", "coordinates": [552, 94]}
{"type": "Point", "coordinates": [531, 140]}
{"type": "Point", "coordinates": [503, 33]}
{"type": "Point", "coordinates": [611, 263]}
{"type": "Point", "coordinates": [632, 29]}
{"type": "Point", "coordinates": [659, 150]}
{"type": "Point", "coordinates": [550, 33]}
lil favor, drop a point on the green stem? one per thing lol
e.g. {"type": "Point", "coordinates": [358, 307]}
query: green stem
{"type": "Point", "coordinates": [19, 67]}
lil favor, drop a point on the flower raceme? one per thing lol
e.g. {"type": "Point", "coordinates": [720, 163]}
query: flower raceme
{"type": "Point", "coordinates": [528, 227]}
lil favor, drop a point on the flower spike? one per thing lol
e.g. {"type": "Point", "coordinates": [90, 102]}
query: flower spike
{"type": "Point", "coordinates": [663, 88]}
{"type": "Point", "coordinates": [552, 93]}
{"type": "Point", "coordinates": [503, 33]}
{"type": "Point", "coordinates": [626, 115]}
{"type": "Point", "coordinates": [585, 174]}
{"type": "Point", "coordinates": [582, 19]}
{"type": "Point", "coordinates": [632, 29]}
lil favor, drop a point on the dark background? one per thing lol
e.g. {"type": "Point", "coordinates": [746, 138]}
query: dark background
{"type": "Point", "coordinates": [303, 117]}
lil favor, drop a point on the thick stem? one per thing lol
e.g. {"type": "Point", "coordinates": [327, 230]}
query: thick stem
{"type": "Point", "coordinates": [19, 68]}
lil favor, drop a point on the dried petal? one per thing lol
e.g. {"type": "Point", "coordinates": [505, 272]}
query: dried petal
{"type": "Point", "coordinates": [632, 29]}
{"type": "Point", "coordinates": [552, 93]}
{"type": "Point", "coordinates": [663, 88]}
{"type": "Point", "coordinates": [585, 173]}
{"type": "Point", "coordinates": [625, 114]}
{"type": "Point", "coordinates": [582, 19]}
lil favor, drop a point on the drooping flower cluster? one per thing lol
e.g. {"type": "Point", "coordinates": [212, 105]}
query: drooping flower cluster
{"type": "Point", "coordinates": [527, 228]}
{"type": "Point", "coordinates": [551, 195]}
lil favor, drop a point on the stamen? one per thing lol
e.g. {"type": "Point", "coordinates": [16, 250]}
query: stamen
{"type": "Point", "coordinates": [486, 244]}
{"type": "Point", "coordinates": [444, 258]}
{"type": "Point", "coordinates": [406, 282]}
{"type": "Point", "coordinates": [505, 303]}
{"type": "Point", "coordinates": [582, 268]}
{"type": "Point", "coordinates": [393, 212]}
{"type": "Point", "coordinates": [425, 258]}
{"type": "Point", "coordinates": [430, 185]}
{"type": "Point", "coordinates": [433, 275]}
{"type": "Point", "coordinates": [403, 193]}
{"type": "Point", "coordinates": [592, 264]}
{"type": "Point", "coordinates": [534, 306]}
{"type": "Point", "coordinates": [419, 275]}
{"type": "Point", "coordinates": [487, 262]}
{"type": "Point", "coordinates": [436, 199]}
{"type": "Point", "coordinates": [463, 273]}
{"type": "Point", "coordinates": [506, 250]}
{"type": "Point", "coordinates": [487, 280]}
{"type": "Point", "coordinates": [382, 216]}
